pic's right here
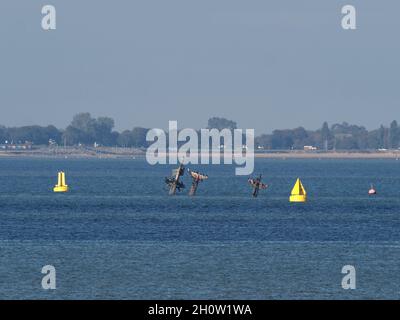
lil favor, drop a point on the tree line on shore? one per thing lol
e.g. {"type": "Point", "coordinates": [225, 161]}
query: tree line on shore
{"type": "Point", "coordinates": [86, 130]}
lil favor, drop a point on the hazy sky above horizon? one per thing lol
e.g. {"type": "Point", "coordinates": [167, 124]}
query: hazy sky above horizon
{"type": "Point", "coordinates": [265, 64]}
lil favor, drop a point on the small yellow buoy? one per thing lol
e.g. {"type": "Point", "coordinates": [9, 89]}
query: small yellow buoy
{"type": "Point", "coordinates": [298, 194]}
{"type": "Point", "coordinates": [61, 186]}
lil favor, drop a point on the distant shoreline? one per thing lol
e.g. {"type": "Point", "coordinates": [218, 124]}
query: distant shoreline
{"type": "Point", "coordinates": [330, 155]}
{"type": "Point", "coordinates": [129, 153]}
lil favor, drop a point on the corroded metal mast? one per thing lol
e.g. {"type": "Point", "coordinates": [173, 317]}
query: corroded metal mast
{"type": "Point", "coordinates": [174, 182]}
{"type": "Point", "coordinates": [196, 178]}
{"type": "Point", "coordinates": [257, 185]}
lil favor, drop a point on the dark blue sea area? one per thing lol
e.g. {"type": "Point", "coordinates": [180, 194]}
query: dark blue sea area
{"type": "Point", "coordinates": [118, 235]}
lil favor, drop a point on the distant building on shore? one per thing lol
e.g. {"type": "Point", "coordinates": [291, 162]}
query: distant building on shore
{"type": "Point", "coordinates": [310, 148]}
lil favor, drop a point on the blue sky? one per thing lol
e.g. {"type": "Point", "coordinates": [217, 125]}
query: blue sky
{"type": "Point", "coordinates": [265, 64]}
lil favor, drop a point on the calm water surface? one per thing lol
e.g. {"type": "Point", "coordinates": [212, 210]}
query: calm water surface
{"type": "Point", "coordinates": [117, 235]}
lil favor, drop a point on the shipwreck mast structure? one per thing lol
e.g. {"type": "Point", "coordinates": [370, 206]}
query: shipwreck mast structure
{"type": "Point", "coordinates": [174, 182]}
{"type": "Point", "coordinates": [196, 178]}
{"type": "Point", "coordinates": [257, 185]}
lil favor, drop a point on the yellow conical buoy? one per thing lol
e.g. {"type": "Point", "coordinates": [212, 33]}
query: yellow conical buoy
{"type": "Point", "coordinates": [61, 186]}
{"type": "Point", "coordinates": [298, 194]}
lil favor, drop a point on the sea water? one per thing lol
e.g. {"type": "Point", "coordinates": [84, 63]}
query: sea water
{"type": "Point", "coordinates": [118, 235]}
